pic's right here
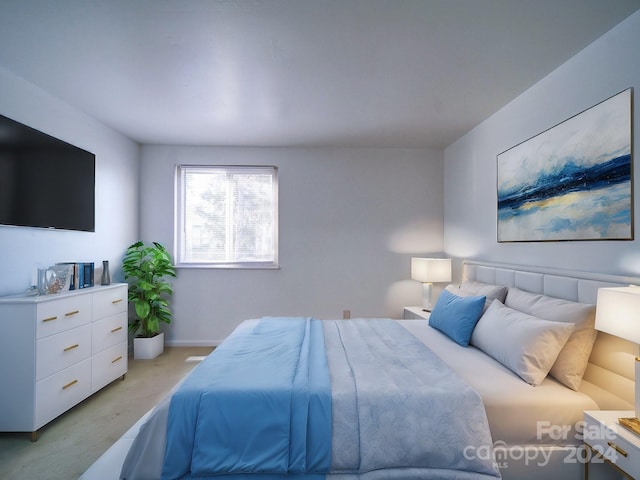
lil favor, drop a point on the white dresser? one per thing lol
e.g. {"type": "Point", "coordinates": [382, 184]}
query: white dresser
{"type": "Point", "coordinates": [56, 350]}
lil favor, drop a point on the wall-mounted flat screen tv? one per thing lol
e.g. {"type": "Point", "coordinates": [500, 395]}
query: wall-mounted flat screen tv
{"type": "Point", "coordinates": [44, 182]}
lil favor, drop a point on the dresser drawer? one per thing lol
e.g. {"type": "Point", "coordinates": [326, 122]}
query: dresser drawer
{"type": "Point", "coordinates": [62, 314]}
{"type": "Point", "coordinates": [108, 332]}
{"type": "Point", "coordinates": [109, 301]}
{"type": "Point", "coordinates": [57, 393]}
{"type": "Point", "coordinates": [57, 352]}
{"type": "Point", "coordinates": [609, 441]}
{"type": "Point", "coordinates": [108, 365]}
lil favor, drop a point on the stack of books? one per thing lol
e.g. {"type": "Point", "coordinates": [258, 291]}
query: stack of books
{"type": "Point", "coordinates": [82, 275]}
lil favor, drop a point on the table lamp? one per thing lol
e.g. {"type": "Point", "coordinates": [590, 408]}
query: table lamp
{"type": "Point", "coordinates": [618, 313]}
{"type": "Point", "coordinates": [430, 271]}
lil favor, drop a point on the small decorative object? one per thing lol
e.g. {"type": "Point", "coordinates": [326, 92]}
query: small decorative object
{"type": "Point", "coordinates": [106, 276]}
{"type": "Point", "coordinates": [145, 267]}
{"type": "Point", "coordinates": [53, 279]}
{"type": "Point", "coordinates": [571, 182]}
{"type": "Point", "coordinates": [42, 280]}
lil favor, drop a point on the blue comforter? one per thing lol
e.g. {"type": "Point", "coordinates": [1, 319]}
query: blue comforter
{"type": "Point", "coordinates": [260, 403]}
{"type": "Point", "coordinates": [378, 405]}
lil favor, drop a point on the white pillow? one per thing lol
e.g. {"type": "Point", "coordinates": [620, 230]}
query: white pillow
{"type": "Point", "coordinates": [573, 358]}
{"type": "Point", "coordinates": [526, 345]}
{"type": "Point", "coordinates": [477, 289]}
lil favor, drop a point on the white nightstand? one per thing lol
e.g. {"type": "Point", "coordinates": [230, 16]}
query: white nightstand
{"type": "Point", "coordinates": [415, 313]}
{"type": "Point", "coordinates": [606, 438]}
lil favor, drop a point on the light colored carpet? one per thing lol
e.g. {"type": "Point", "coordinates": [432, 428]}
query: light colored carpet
{"type": "Point", "coordinates": [68, 445]}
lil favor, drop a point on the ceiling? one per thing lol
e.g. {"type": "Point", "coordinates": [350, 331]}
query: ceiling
{"type": "Point", "coordinates": [411, 73]}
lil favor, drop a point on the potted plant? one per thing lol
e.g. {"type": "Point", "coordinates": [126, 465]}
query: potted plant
{"type": "Point", "coordinates": [146, 268]}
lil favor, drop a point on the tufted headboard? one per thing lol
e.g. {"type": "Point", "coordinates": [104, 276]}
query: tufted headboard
{"type": "Point", "coordinates": [609, 378]}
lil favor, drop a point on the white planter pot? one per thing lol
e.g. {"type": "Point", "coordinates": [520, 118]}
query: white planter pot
{"type": "Point", "coordinates": [148, 348]}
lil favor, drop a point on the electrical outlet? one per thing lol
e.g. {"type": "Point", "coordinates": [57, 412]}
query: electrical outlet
{"type": "Point", "coordinates": [346, 314]}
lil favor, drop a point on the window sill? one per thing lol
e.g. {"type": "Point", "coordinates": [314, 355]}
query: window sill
{"type": "Point", "coordinates": [231, 266]}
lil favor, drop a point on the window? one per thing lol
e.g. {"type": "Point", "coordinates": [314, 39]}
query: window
{"type": "Point", "coordinates": [227, 216]}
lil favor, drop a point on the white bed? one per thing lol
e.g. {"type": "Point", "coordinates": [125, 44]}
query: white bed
{"type": "Point", "coordinates": [609, 377]}
{"type": "Point", "coordinates": [524, 420]}
{"type": "Point", "coordinates": [607, 384]}
{"type": "Point", "coordinates": [506, 396]}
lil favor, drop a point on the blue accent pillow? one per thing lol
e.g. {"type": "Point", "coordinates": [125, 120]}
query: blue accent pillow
{"type": "Point", "coordinates": [456, 316]}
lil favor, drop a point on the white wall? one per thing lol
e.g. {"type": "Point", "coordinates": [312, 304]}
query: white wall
{"type": "Point", "coordinates": [23, 250]}
{"type": "Point", "coordinates": [350, 219]}
{"type": "Point", "coordinates": [606, 67]}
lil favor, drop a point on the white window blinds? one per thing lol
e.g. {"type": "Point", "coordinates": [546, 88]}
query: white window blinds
{"type": "Point", "coordinates": [227, 216]}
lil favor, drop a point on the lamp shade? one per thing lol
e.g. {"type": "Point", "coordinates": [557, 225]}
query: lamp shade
{"type": "Point", "coordinates": [431, 270]}
{"type": "Point", "coordinates": [618, 312]}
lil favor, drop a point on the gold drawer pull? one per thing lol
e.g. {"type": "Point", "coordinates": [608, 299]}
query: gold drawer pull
{"type": "Point", "coordinates": [71, 314]}
{"type": "Point", "coordinates": [617, 449]}
{"type": "Point", "coordinates": [116, 359]}
{"type": "Point", "coordinates": [71, 347]}
{"type": "Point", "coordinates": [70, 384]}
{"type": "Point", "coordinates": [117, 301]}
{"type": "Point", "coordinates": [116, 329]}
{"type": "Point", "coordinates": [49, 319]}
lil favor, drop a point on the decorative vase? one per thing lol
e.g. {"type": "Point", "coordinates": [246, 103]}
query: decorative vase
{"type": "Point", "coordinates": [106, 276]}
{"type": "Point", "coordinates": [148, 348]}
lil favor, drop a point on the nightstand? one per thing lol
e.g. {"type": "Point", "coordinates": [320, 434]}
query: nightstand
{"type": "Point", "coordinates": [415, 313]}
{"type": "Point", "coordinates": [606, 439]}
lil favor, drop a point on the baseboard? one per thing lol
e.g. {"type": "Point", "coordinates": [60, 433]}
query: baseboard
{"type": "Point", "coordinates": [192, 343]}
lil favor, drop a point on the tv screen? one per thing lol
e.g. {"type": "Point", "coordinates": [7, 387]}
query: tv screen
{"type": "Point", "coordinates": [44, 182]}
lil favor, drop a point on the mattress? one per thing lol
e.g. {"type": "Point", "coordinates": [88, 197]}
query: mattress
{"type": "Point", "coordinates": [518, 413]}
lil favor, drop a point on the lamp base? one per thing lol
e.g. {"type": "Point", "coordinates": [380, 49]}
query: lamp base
{"type": "Point", "coordinates": [427, 306]}
{"type": "Point", "coordinates": [636, 400]}
{"type": "Point", "coordinates": [631, 423]}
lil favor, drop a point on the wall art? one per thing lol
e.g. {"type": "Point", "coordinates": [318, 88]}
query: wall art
{"type": "Point", "coordinates": [573, 181]}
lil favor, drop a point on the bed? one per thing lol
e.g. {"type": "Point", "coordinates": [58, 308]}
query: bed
{"type": "Point", "coordinates": [533, 431]}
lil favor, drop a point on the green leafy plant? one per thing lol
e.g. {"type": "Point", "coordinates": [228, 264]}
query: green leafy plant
{"type": "Point", "coordinates": [146, 268]}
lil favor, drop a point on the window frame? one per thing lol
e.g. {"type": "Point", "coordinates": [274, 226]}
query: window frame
{"type": "Point", "coordinates": [179, 220]}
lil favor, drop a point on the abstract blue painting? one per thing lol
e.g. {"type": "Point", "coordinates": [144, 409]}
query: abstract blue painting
{"type": "Point", "coordinates": [571, 182]}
